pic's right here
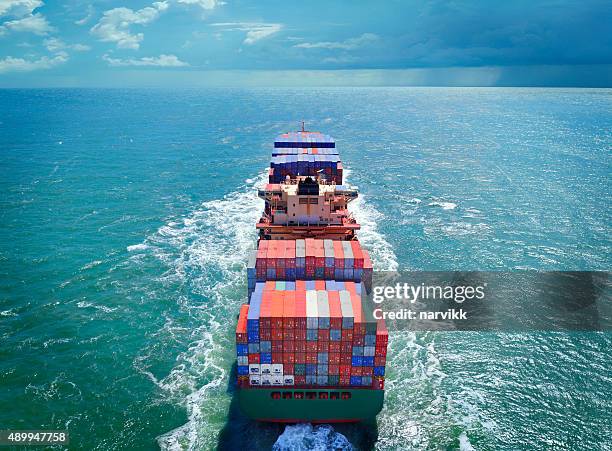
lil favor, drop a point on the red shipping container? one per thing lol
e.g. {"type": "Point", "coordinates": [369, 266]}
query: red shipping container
{"type": "Point", "coordinates": [241, 327]}
{"type": "Point", "coordinates": [367, 261]}
{"type": "Point", "coordinates": [323, 334]}
{"type": "Point", "coordinates": [334, 358]}
{"type": "Point", "coordinates": [271, 256]}
{"type": "Point", "coordinates": [323, 346]}
{"type": "Point", "coordinates": [347, 335]}
{"type": "Point", "coordinates": [310, 272]}
{"type": "Point", "coordinates": [382, 334]}
{"type": "Point", "coordinates": [311, 357]}
{"type": "Point", "coordinates": [289, 310]}
{"type": "Point", "coordinates": [378, 383]}
{"type": "Point", "coordinates": [350, 287]}
{"type": "Point", "coordinates": [265, 311]}
{"type": "Point", "coordinates": [289, 357]}
{"type": "Point", "coordinates": [270, 285]}
{"type": "Point", "coordinates": [260, 260]}
{"type": "Point", "coordinates": [254, 358]}
{"type": "Point", "coordinates": [290, 254]}
{"type": "Point", "coordinates": [311, 346]}
{"type": "Point", "coordinates": [345, 370]}
{"type": "Point", "coordinates": [265, 334]}
{"type": "Point", "coordinates": [310, 253]}
{"type": "Point", "coordinates": [300, 346]}
{"type": "Point", "coordinates": [338, 255]}
{"type": "Point", "coordinates": [300, 285]}
{"type": "Point", "coordinates": [367, 370]}
{"type": "Point", "coordinates": [329, 273]}
{"type": "Point", "coordinates": [277, 357]}
{"type": "Point", "coordinates": [359, 340]}
{"type": "Point", "coordinates": [299, 380]}
{"type": "Point", "coordinates": [277, 345]}
{"type": "Point", "coordinates": [288, 368]}
{"type": "Point", "coordinates": [345, 359]}
{"type": "Point", "coordinates": [319, 254]}
{"type": "Point", "coordinates": [380, 351]}
{"type": "Point", "coordinates": [380, 361]}
{"type": "Point", "coordinates": [280, 254]}
{"type": "Point", "coordinates": [300, 334]}
{"type": "Point", "coordinates": [335, 311]}
{"type": "Point", "coordinates": [346, 347]}
{"type": "Point", "coordinates": [356, 371]}
{"type": "Point", "coordinates": [345, 380]}
{"type": "Point", "coordinates": [334, 346]}
{"type": "Point", "coordinates": [289, 346]}
{"type": "Point", "coordinates": [300, 357]}
{"type": "Point", "coordinates": [319, 285]}
{"type": "Point", "coordinates": [300, 310]}
{"type": "Point", "coordinates": [277, 334]}
{"type": "Point", "coordinates": [334, 369]}
{"type": "Point", "coordinates": [288, 334]}
{"type": "Point", "coordinates": [357, 254]}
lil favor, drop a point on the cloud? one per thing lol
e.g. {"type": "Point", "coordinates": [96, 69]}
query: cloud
{"type": "Point", "coordinates": [55, 44]}
{"type": "Point", "coordinates": [114, 26]}
{"type": "Point", "coordinates": [87, 18]}
{"type": "Point", "coordinates": [18, 8]}
{"type": "Point", "coordinates": [32, 23]}
{"type": "Point", "coordinates": [348, 44]}
{"type": "Point", "coordinates": [10, 64]}
{"type": "Point", "coordinates": [159, 61]}
{"type": "Point", "coordinates": [254, 31]}
{"type": "Point", "coordinates": [204, 4]}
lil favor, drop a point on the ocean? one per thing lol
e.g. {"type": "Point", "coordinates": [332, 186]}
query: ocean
{"type": "Point", "coordinates": [126, 217]}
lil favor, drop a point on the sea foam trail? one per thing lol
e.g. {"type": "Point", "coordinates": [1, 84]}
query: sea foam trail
{"type": "Point", "coordinates": [205, 251]}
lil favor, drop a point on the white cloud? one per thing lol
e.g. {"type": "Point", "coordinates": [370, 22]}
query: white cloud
{"type": "Point", "coordinates": [114, 26]}
{"type": "Point", "coordinates": [159, 61]}
{"type": "Point", "coordinates": [348, 44]}
{"type": "Point", "coordinates": [10, 64]}
{"type": "Point", "coordinates": [87, 18]}
{"type": "Point", "coordinates": [18, 8]}
{"type": "Point", "coordinates": [254, 31]}
{"type": "Point", "coordinates": [55, 44]}
{"type": "Point", "coordinates": [32, 23]}
{"type": "Point", "coordinates": [204, 4]}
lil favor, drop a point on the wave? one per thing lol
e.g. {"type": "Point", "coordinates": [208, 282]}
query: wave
{"type": "Point", "coordinates": [443, 205]}
{"type": "Point", "coordinates": [137, 247]}
{"type": "Point", "coordinates": [306, 437]}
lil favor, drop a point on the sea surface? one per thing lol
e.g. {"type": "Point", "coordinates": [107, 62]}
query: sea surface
{"type": "Point", "coordinates": [126, 217]}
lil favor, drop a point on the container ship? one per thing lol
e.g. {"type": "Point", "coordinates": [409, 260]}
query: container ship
{"type": "Point", "coordinates": [308, 349]}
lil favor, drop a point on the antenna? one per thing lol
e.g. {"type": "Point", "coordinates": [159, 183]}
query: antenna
{"type": "Point", "coordinates": [303, 126]}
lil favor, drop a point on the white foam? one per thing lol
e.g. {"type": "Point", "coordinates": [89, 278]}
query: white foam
{"type": "Point", "coordinates": [207, 251]}
{"type": "Point", "coordinates": [443, 205]}
{"type": "Point", "coordinates": [464, 443]}
{"type": "Point", "coordinates": [105, 309]}
{"type": "Point", "coordinates": [137, 247]}
{"type": "Point", "coordinates": [303, 437]}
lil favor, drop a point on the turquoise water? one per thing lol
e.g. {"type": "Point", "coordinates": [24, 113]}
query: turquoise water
{"type": "Point", "coordinates": [126, 216]}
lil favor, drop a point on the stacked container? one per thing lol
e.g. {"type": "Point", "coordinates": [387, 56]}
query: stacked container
{"type": "Point", "coordinates": [310, 333]}
{"type": "Point", "coordinates": [309, 259]}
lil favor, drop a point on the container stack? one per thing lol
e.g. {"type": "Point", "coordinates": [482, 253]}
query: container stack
{"type": "Point", "coordinates": [328, 166]}
{"type": "Point", "coordinates": [309, 333]}
{"type": "Point", "coordinates": [309, 258]}
{"type": "Point", "coordinates": [304, 140]}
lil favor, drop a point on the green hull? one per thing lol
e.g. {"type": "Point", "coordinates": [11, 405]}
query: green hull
{"type": "Point", "coordinates": [259, 404]}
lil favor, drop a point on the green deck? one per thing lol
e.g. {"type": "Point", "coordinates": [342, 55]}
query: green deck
{"type": "Point", "coordinates": [258, 404]}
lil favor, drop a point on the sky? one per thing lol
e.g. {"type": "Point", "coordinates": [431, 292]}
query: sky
{"type": "Point", "coordinates": [110, 43]}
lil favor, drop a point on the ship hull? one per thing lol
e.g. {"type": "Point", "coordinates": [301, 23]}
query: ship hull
{"type": "Point", "coordinates": [259, 404]}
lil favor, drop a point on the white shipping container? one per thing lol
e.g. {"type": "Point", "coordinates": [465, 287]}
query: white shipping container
{"type": "Point", "coordinates": [277, 380]}
{"type": "Point", "coordinates": [254, 369]}
{"type": "Point", "coordinates": [255, 380]}
{"type": "Point", "coordinates": [266, 380]}
{"type": "Point", "coordinates": [277, 368]}
{"type": "Point", "coordinates": [265, 368]}
{"type": "Point", "coordinates": [288, 379]}
{"type": "Point", "coordinates": [312, 321]}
